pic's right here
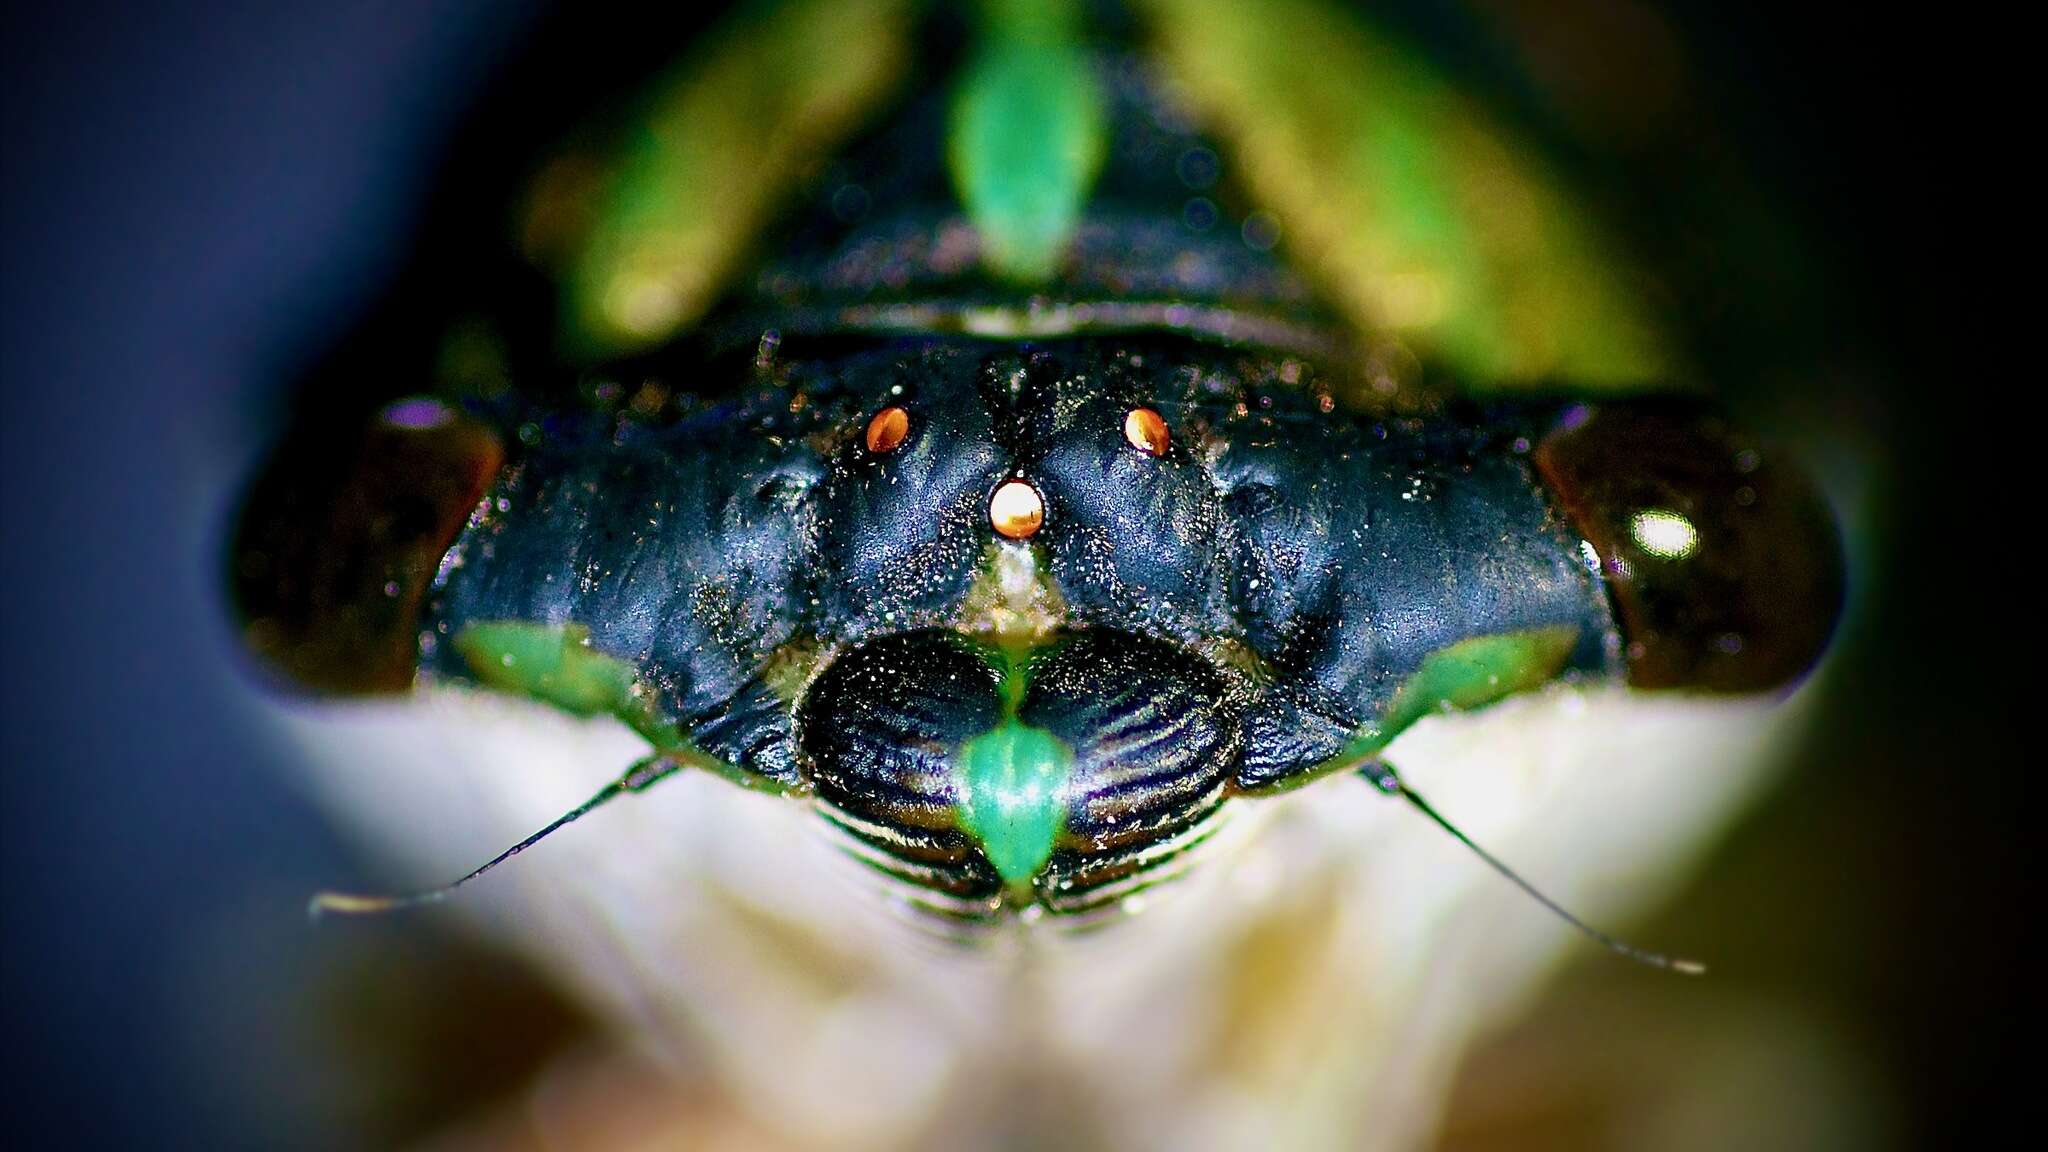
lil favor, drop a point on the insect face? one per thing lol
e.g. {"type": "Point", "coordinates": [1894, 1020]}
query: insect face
{"type": "Point", "coordinates": [1022, 526]}
{"type": "Point", "coordinates": [951, 590]}
{"type": "Point", "coordinates": [1002, 712]}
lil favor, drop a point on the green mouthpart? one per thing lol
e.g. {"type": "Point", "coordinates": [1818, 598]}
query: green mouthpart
{"type": "Point", "coordinates": [1012, 784]}
{"type": "Point", "coordinates": [1027, 134]}
{"type": "Point", "coordinates": [1013, 780]}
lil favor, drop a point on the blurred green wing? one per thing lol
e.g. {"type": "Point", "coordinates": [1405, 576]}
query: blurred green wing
{"type": "Point", "coordinates": [647, 245]}
{"type": "Point", "coordinates": [1419, 217]}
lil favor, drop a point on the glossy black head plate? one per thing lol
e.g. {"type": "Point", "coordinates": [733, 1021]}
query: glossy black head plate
{"type": "Point", "coordinates": [1136, 532]}
{"type": "Point", "coordinates": [902, 515]}
{"type": "Point", "coordinates": [1722, 559]}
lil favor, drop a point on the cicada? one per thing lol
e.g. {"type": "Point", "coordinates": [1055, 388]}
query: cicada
{"type": "Point", "coordinates": [1022, 468]}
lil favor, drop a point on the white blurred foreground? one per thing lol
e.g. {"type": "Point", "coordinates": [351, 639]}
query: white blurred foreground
{"type": "Point", "coordinates": [1311, 982]}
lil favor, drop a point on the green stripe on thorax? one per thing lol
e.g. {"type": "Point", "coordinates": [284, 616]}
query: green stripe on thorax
{"type": "Point", "coordinates": [1026, 136]}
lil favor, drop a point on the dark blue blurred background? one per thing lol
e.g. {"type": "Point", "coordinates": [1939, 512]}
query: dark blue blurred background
{"type": "Point", "coordinates": [199, 196]}
{"type": "Point", "coordinates": [194, 194]}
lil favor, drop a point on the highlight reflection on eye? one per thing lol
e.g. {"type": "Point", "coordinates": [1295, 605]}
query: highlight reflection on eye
{"type": "Point", "coordinates": [887, 430]}
{"type": "Point", "coordinates": [1664, 533]}
{"type": "Point", "coordinates": [1145, 430]}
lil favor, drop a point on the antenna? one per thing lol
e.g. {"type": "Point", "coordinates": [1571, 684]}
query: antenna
{"type": "Point", "coordinates": [1383, 777]}
{"type": "Point", "coordinates": [639, 776]}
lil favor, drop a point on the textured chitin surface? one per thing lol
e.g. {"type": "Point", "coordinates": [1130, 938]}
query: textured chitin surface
{"type": "Point", "coordinates": [1221, 615]}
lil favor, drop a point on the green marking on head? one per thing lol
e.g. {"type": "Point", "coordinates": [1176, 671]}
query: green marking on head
{"type": "Point", "coordinates": [1027, 135]}
{"type": "Point", "coordinates": [1468, 674]}
{"type": "Point", "coordinates": [1012, 796]}
{"type": "Point", "coordinates": [554, 664]}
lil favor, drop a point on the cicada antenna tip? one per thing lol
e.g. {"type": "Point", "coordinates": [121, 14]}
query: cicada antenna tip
{"type": "Point", "coordinates": [358, 904]}
{"type": "Point", "coordinates": [639, 776]}
{"type": "Point", "coordinates": [1383, 777]}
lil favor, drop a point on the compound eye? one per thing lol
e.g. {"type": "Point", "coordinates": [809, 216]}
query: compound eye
{"type": "Point", "coordinates": [887, 430]}
{"type": "Point", "coordinates": [1145, 430]}
{"type": "Point", "coordinates": [1723, 562]}
{"type": "Point", "coordinates": [339, 544]}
